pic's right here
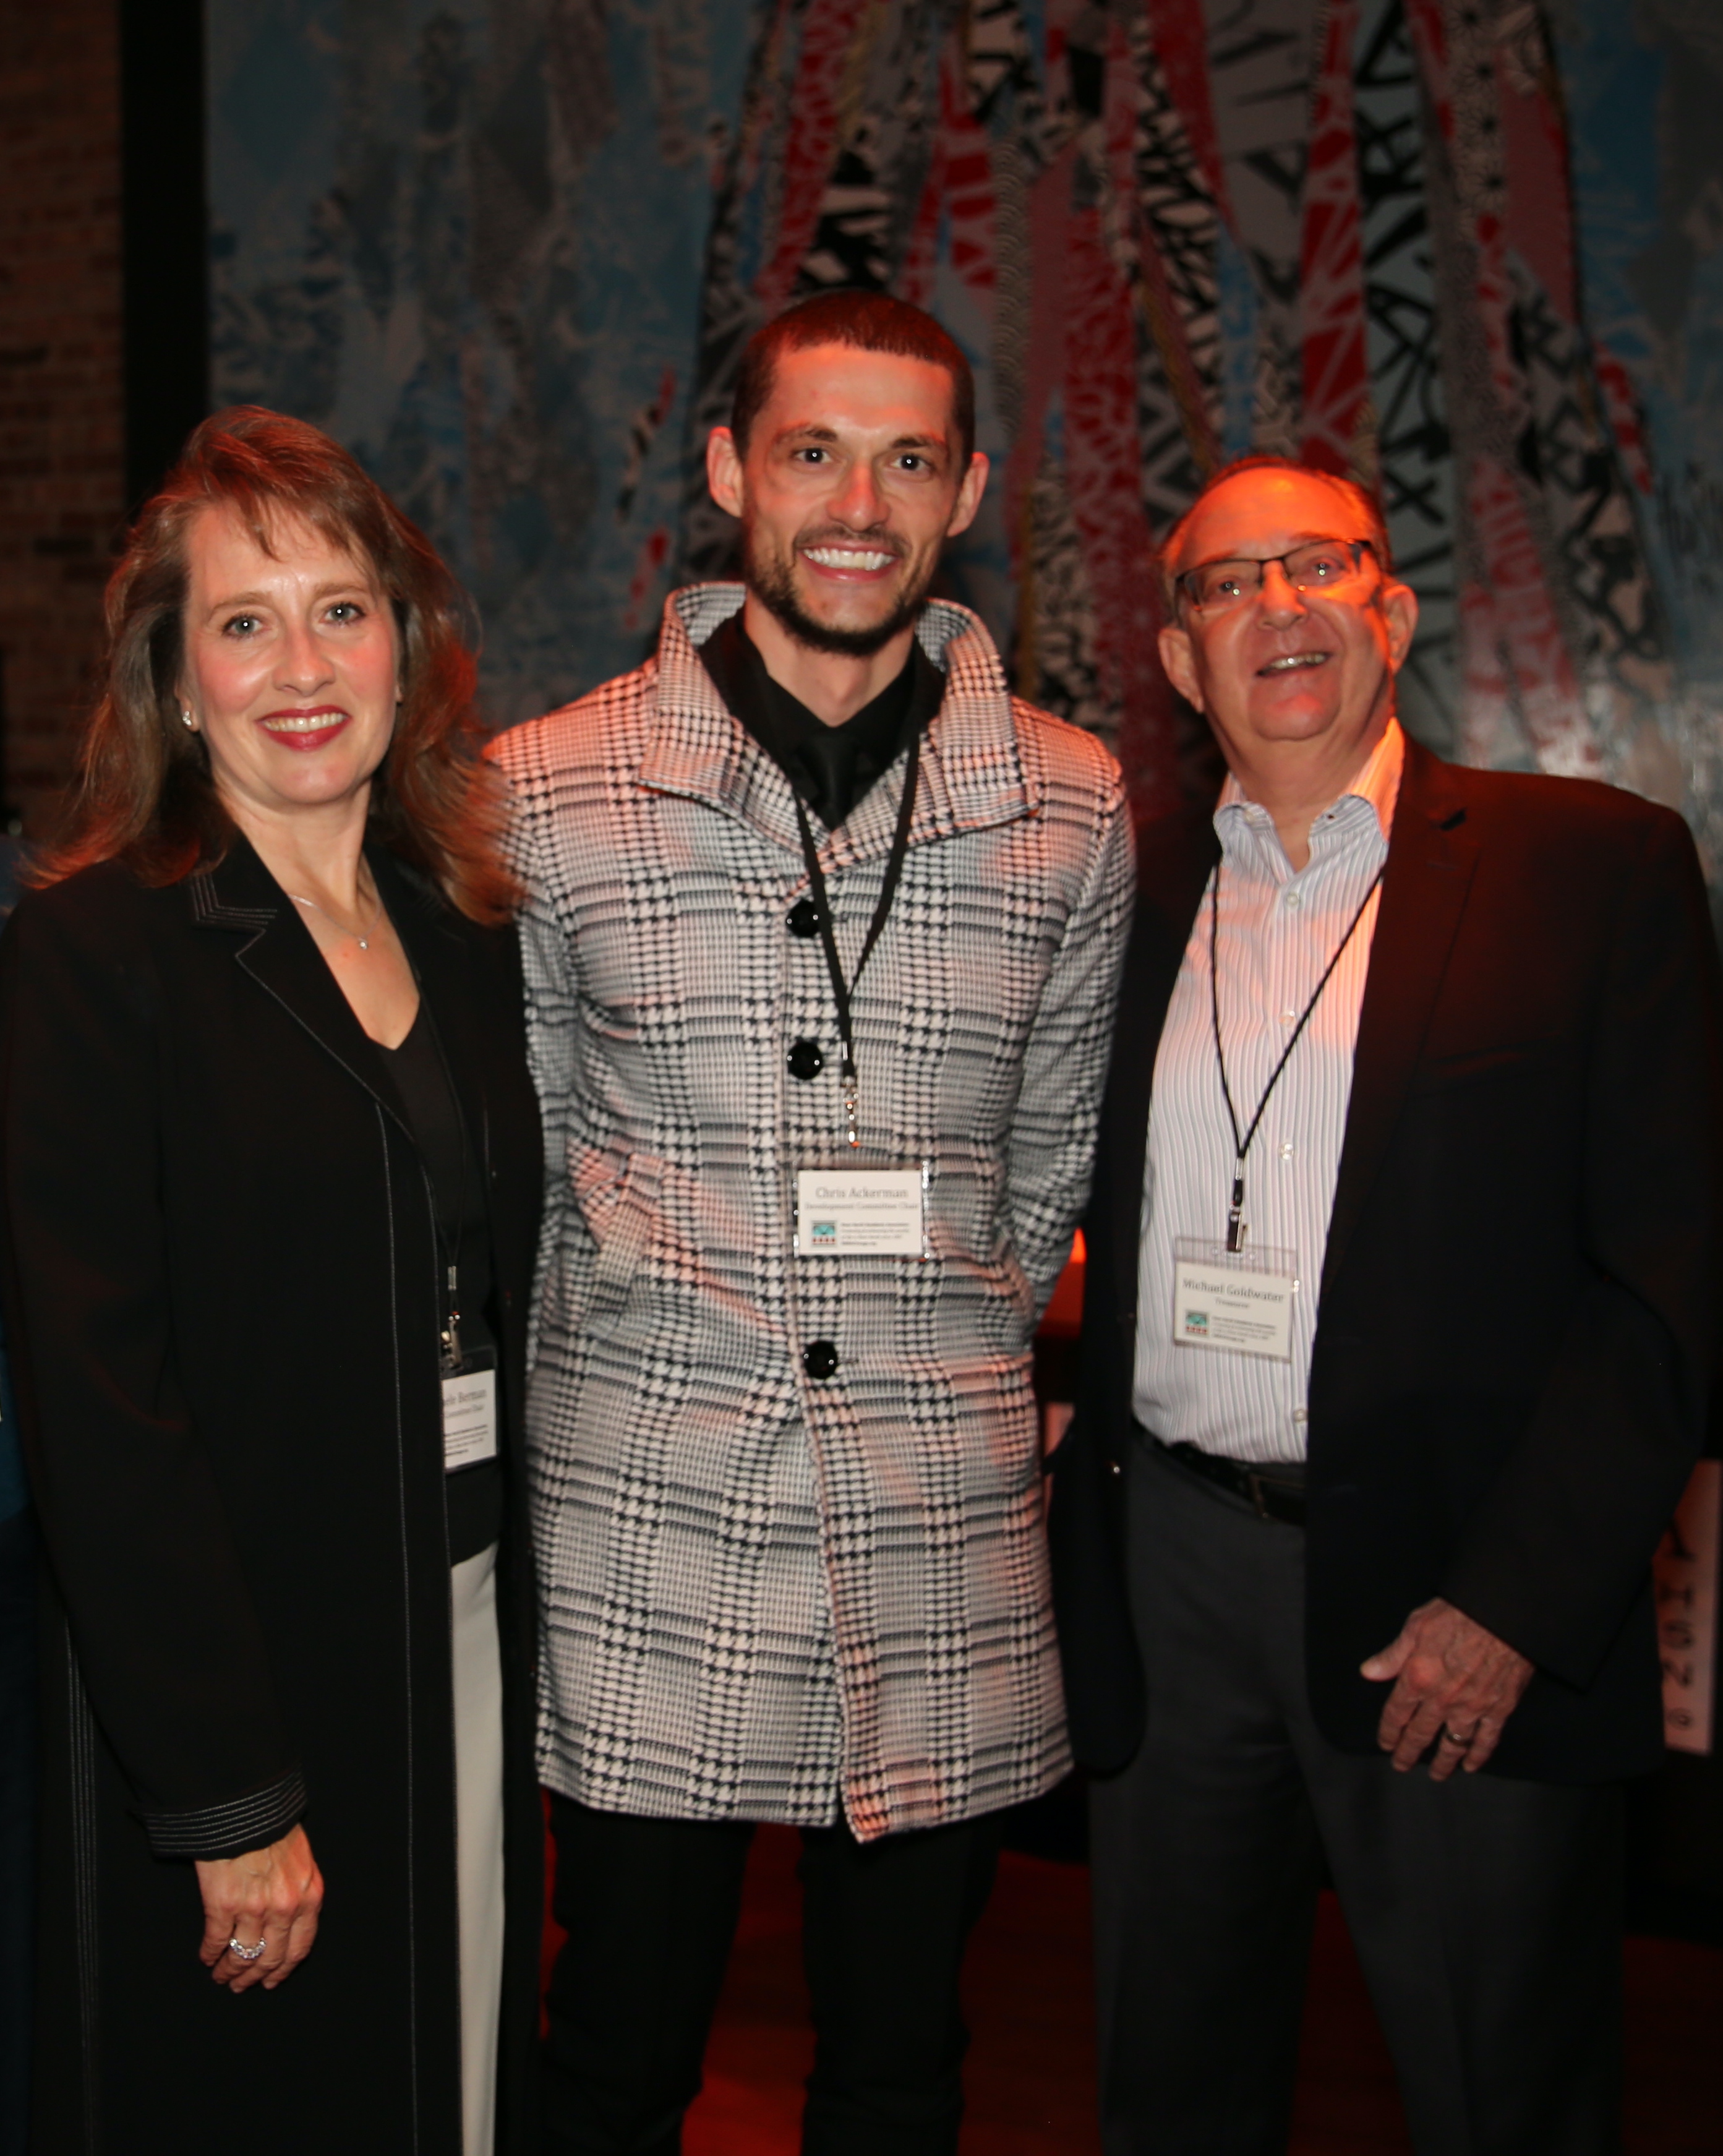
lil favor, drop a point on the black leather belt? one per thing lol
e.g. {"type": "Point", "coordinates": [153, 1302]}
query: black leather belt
{"type": "Point", "coordinates": [1267, 1490]}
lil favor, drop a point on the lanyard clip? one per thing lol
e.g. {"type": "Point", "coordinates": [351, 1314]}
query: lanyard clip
{"type": "Point", "coordinates": [852, 1126]}
{"type": "Point", "coordinates": [451, 1331]}
{"type": "Point", "coordinates": [1237, 1227]}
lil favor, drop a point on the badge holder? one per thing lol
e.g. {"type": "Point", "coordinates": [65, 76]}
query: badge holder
{"type": "Point", "coordinates": [1239, 1303]}
{"type": "Point", "coordinates": [470, 1412]}
{"type": "Point", "coordinates": [846, 1211]}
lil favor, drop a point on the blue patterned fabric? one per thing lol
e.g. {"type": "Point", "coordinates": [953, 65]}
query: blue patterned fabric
{"type": "Point", "coordinates": [509, 250]}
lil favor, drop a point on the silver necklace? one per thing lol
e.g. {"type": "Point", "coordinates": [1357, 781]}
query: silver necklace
{"type": "Point", "coordinates": [361, 938]}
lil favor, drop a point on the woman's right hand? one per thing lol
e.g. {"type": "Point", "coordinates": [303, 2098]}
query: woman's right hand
{"type": "Point", "coordinates": [272, 1894]}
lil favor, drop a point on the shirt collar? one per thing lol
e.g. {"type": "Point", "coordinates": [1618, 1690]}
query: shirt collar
{"type": "Point", "coordinates": [1377, 783]}
{"type": "Point", "coordinates": [832, 767]}
{"type": "Point", "coordinates": [983, 757]}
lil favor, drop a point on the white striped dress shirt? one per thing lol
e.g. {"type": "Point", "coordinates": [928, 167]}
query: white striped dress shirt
{"type": "Point", "coordinates": [1278, 931]}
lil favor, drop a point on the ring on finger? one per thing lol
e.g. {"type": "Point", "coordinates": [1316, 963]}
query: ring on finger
{"type": "Point", "coordinates": [1454, 1736]}
{"type": "Point", "coordinates": [246, 1953]}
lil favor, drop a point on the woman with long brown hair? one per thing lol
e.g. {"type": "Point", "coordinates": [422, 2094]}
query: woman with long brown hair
{"type": "Point", "coordinates": [272, 1170]}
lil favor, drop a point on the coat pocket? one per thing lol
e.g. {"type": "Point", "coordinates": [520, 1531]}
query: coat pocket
{"type": "Point", "coordinates": [620, 1216]}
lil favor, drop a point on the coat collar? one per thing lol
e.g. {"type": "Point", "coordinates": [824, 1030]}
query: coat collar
{"type": "Point", "coordinates": [1432, 852]}
{"type": "Point", "coordinates": [239, 896]}
{"type": "Point", "coordinates": [978, 767]}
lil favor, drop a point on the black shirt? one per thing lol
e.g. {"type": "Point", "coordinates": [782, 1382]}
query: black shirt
{"type": "Point", "coordinates": [831, 768]}
{"type": "Point", "coordinates": [473, 1495]}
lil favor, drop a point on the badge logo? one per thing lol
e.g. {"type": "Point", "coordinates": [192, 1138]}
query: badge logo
{"type": "Point", "coordinates": [825, 1231]}
{"type": "Point", "coordinates": [1195, 1320]}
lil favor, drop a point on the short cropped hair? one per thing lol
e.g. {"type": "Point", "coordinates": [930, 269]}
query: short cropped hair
{"type": "Point", "coordinates": [866, 322]}
{"type": "Point", "coordinates": [1368, 507]}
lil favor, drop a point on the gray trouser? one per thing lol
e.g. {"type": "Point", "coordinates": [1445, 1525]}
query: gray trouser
{"type": "Point", "coordinates": [1485, 1911]}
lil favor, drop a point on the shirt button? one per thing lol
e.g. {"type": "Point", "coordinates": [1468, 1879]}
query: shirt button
{"type": "Point", "coordinates": [1300, 1414]}
{"type": "Point", "coordinates": [1286, 1149]}
{"type": "Point", "coordinates": [1288, 1018]}
{"type": "Point", "coordinates": [807, 1059]}
{"type": "Point", "coordinates": [819, 1358]}
{"type": "Point", "coordinates": [1295, 899]}
{"type": "Point", "coordinates": [803, 918]}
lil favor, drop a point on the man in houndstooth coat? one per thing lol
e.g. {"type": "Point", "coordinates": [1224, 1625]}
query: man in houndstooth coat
{"type": "Point", "coordinates": [789, 1508]}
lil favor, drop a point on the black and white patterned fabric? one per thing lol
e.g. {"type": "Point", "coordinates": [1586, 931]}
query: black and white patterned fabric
{"type": "Point", "coordinates": [768, 1595]}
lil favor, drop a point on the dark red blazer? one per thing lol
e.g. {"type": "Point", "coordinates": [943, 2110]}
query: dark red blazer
{"type": "Point", "coordinates": [1515, 1343]}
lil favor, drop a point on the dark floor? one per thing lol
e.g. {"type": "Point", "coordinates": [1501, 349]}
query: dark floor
{"type": "Point", "coordinates": [1031, 2067]}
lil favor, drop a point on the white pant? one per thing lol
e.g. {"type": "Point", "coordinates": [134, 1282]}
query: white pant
{"type": "Point", "coordinates": [479, 1837]}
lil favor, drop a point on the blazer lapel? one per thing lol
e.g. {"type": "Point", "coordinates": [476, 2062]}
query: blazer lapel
{"type": "Point", "coordinates": [281, 954]}
{"type": "Point", "coordinates": [1432, 853]}
{"type": "Point", "coordinates": [1176, 857]}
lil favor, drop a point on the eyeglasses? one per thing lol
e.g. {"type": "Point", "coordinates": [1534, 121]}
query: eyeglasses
{"type": "Point", "coordinates": [1320, 564]}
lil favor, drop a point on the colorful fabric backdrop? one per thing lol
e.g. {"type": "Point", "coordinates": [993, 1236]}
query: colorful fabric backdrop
{"type": "Point", "coordinates": [1470, 251]}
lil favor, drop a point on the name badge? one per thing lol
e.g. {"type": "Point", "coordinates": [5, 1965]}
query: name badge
{"type": "Point", "coordinates": [1239, 1302]}
{"type": "Point", "coordinates": [861, 1212]}
{"type": "Point", "coordinates": [469, 1417]}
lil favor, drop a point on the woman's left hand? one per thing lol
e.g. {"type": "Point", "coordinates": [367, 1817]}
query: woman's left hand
{"type": "Point", "coordinates": [273, 1895]}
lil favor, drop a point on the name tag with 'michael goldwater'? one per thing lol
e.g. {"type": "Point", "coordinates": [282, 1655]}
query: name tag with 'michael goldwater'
{"type": "Point", "coordinates": [1239, 1303]}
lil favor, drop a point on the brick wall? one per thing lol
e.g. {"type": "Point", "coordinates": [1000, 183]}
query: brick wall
{"type": "Point", "coordinates": [62, 444]}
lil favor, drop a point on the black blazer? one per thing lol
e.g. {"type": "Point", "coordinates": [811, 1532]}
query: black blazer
{"type": "Point", "coordinates": [221, 1274]}
{"type": "Point", "coordinates": [1515, 1340]}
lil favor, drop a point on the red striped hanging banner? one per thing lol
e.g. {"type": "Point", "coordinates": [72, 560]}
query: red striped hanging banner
{"type": "Point", "coordinates": [812, 148]}
{"type": "Point", "coordinates": [1044, 355]}
{"type": "Point", "coordinates": [1539, 204]}
{"type": "Point", "coordinates": [1125, 118]}
{"type": "Point", "coordinates": [1180, 29]}
{"type": "Point", "coordinates": [1430, 38]}
{"type": "Point", "coordinates": [1527, 632]}
{"type": "Point", "coordinates": [914, 281]}
{"type": "Point", "coordinates": [959, 188]}
{"type": "Point", "coordinates": [1102, 476]}
{"type": "Point", "coordinates": [968, 179]}
{"type": "Point", "coordinates": [1336, 370]}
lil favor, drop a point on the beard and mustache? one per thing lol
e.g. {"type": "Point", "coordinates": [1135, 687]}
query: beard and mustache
{"type": "Point", "coordinates": [771, 579]}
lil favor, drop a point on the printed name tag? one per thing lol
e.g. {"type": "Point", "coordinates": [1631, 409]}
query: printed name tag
{"type": "Point", "coordinates": [859, 1211]}
{"type": "Point", "coordinates": [469, 1418]}
{"type": "Point", "coordinates": [1241, 1304]}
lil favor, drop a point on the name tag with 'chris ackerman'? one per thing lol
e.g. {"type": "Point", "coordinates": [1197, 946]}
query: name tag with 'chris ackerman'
{"type": "Point", "coordinates": [861, 1212]}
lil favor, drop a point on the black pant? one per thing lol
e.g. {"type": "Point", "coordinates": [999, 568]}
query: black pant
{"type": "Point", "coordinates": [1485, 1911]}
{"type": "Point", "coordinates": [650, 1907]}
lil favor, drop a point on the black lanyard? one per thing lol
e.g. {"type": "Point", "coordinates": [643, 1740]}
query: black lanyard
{"type": "Point", "coordinates": [844, 991]}
{"type": "Point", "coordinates": [1241, 1146]}
{"type": "Point", "coordinates": [448, 1246]}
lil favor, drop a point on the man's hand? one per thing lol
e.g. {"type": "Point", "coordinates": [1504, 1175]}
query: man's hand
{"type": "Point", "coordinates": [271, 1896]}
{"type": "Point", "coordinates": [1455, 1685]}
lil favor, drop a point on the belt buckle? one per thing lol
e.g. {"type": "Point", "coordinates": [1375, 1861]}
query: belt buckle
{"type": "Point", "coordinates": [1255, 1483]}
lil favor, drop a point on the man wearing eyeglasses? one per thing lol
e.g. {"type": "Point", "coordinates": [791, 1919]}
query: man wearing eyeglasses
{"type": "Point", "coordinates": [1396, 1355]}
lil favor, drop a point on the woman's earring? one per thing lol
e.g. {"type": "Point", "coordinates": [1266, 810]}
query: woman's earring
{"type": "Point", "coordinates": [185, 718]}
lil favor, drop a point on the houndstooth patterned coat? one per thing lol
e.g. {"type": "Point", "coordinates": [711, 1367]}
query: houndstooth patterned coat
{"type": "Point", "coordinates": [768, 1596]}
